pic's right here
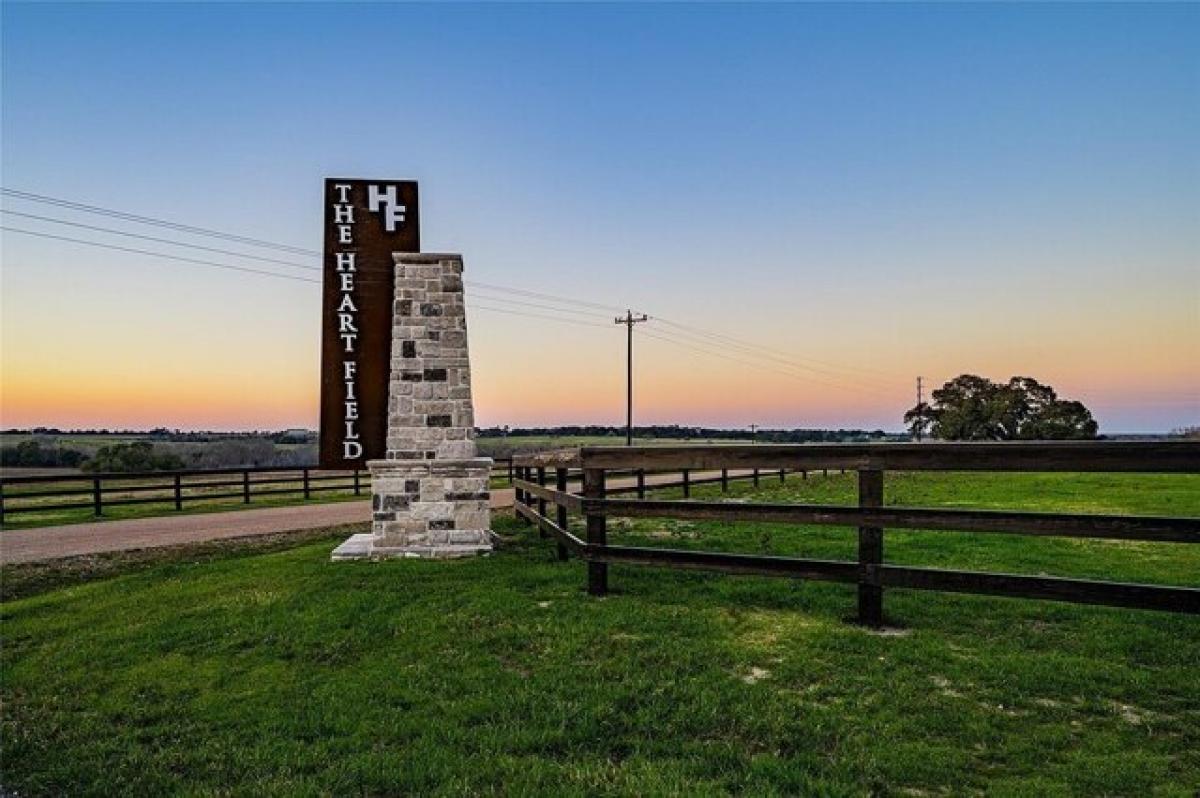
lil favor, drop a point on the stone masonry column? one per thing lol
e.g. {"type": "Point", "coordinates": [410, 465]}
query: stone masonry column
{"type": "Point", "coordinates": [430, 495]}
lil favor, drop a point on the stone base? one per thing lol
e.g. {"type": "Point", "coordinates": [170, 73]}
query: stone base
{"type": "Point", "coordinates": [426, 508]}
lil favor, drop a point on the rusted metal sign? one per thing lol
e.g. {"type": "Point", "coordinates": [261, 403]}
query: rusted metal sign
{"type": "Point", "coordinates": [365, 222]}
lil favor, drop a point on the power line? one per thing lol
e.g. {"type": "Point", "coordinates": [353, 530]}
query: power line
{"type": "Point", "coordinates": [133, 217]}
{"type": "Point", "coordinates": [761, 366]}
{"type": "Point", "coordinates": [767, 353]}
{"type": "Point", "coordinates": [211, 263]}
{"type": "Point", "coordinates": [752, 345]}
{"type": "Point", "coordinates": [740, 355]}
{"type": "Point", "coordinates": [532, 304]}
{"type": "Point", "coordinates": [751, 364]}
{"type": "Point", "coordinates": [539, 295]}
{"type": "Point", "coordinates": [231, 267]}
{"type": "Point", "coordinates": [751, 351]}
{"type": "Point", "coordinates": [527, 314]}
{"type": "Point", "coordinates": [158, 240]}
{"type": "Point", "coordinates": [709, 340]}
{"type": "Point", "coordinates": [265, 273]}
{"type": "Point", "coordinates": [205, 231]}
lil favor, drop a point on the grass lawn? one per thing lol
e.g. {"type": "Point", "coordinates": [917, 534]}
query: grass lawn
{"type": "Point", "coordinates": [278, 672]}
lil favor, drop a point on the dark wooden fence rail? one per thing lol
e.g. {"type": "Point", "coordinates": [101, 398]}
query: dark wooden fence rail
{"type": "Point", "coordinates": [20, 495]}
{"type": "Point", "coordinates": [174, 489]}
{"type": "Point", "coordinates": [869, 572]}
{"type": "Point", "coordinates": [647, 479]}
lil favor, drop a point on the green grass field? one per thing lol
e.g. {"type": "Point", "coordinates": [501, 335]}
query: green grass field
{"type": "Point", "coordinates": [277, 672]}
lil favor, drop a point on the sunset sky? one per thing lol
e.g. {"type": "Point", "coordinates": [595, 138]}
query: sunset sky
{"type": "Point", "coordinates": [870, 192]}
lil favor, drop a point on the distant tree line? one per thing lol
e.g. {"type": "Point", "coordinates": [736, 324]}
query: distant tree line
{"type": "Point", "coordinates": [507, 441]}
{"type": "Point", "coordinates": [157, 455]}
{"type": "Point", "coordinates": [36, 454]}
{"type": "Point", "coordinates": [678, 432]}
{"type": "Point", "coordinates": [174, 436]}
{"type": "Point", "coordinates": [132, 457]}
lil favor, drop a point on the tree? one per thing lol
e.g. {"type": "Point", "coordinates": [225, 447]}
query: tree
{"type": "Point", "coordinates": [919, 420]}
{"type": "Point", "coordinates": [973, 408]}
{"type": "Point", "coordinates": [131, 457]}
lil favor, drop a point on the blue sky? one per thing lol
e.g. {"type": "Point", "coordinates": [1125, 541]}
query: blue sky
{"type": "Point", "coordinates": [894, 189]}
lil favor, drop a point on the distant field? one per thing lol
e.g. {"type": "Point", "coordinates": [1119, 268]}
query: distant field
{"type": "Point", "coordinates": [36, 471]}
{"type": "Point", "coordinates": [87, 443]}
{"type": "Point", "coordinates": [280, 673]}
{"type": "Point", "coordinates": [491, 447]}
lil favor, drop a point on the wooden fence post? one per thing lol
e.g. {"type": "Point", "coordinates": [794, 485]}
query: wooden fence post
{"type": "Point", "coordinates": [306, 493]}
{"type": "Point", "coordinates": [1, 503]}
{"type": "Point", "coordinates": [597, 531]}
{"type": "Point", "coordinates": [178, 492]}
{"type": "Point", "coordinates": [687, 484]}
{"type": "Point", "coordinates": [560, 483]}
{"type": "Point", "coordinates": [97, 502]}
{"type": "Point", "coordinates": [246, 486]}
{"type": "Point", "coordinates": [357, 488]}
{"type": "Point", "coordinates": [541, 503]}
{"type": "Point", "coordinates": [520, 496]}
{"type": "Point", "coordinates": [870, 551]}
{"type": "Point", "coordinates": [724, 480]}
{"type": "Point", "coordinates": [516, 495]}
{"type": "Point", "coordinates": [782, 476]}
{"type": "Point", "coordinates": [756, 477]}
{"type": "Point", "coordinates": [641, 483]}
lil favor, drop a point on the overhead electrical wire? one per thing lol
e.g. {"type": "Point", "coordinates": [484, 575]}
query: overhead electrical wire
{"type": "Point", "coordinates": [540, 295]}
{"type": "Point", "coordinates": [590, 314]}
{"type": "Point", "coordinates": [685, 335]}
{"type": "Point", "coordinates": [749, 344]}
{"type": "Point", "coordinates": [158, 240]}
{"type": "Point", "coordinates": [762, 366]}
{"type": "Point", "coordinates": [531, 315]}
{"type": "Point", "coordinates": [168, 256]}
{"type": "Point", "coordinates": [133, 217]}
{"type": "Point", "coordinates": [747, 351]}
{"type": "Point", "coordinates": [149, 220]}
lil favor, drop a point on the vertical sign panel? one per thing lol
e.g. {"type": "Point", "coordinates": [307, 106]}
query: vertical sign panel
{"type": "Point", "coordinates": [365, 222]}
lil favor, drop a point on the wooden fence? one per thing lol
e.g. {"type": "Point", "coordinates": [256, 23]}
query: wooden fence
{"type": "Point", "coordinates": [173, 490]}
{"type": "Point", "coordinates": [534, 493]}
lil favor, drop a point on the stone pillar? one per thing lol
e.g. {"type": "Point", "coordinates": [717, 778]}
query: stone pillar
{"type": "Point", "coordinates": [430, 495]}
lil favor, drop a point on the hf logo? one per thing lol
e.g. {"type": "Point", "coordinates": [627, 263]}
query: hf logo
{"type": "Point", "coordinates": [392, 212]}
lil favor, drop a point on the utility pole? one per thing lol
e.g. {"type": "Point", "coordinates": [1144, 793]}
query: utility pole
{"type": "Point", "coordinates": [629, 321]}
{"type": "Point", "coordinates": [920, 426]}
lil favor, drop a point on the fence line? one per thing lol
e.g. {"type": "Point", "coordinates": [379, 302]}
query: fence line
{"type": "Point", "coordinates": [175, 489]}
{"type": "Point", "coordinates": [870, 516]}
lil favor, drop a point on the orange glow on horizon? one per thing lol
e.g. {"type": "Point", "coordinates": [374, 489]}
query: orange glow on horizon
{"type": "Point", "coordinates": [236, 376]}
